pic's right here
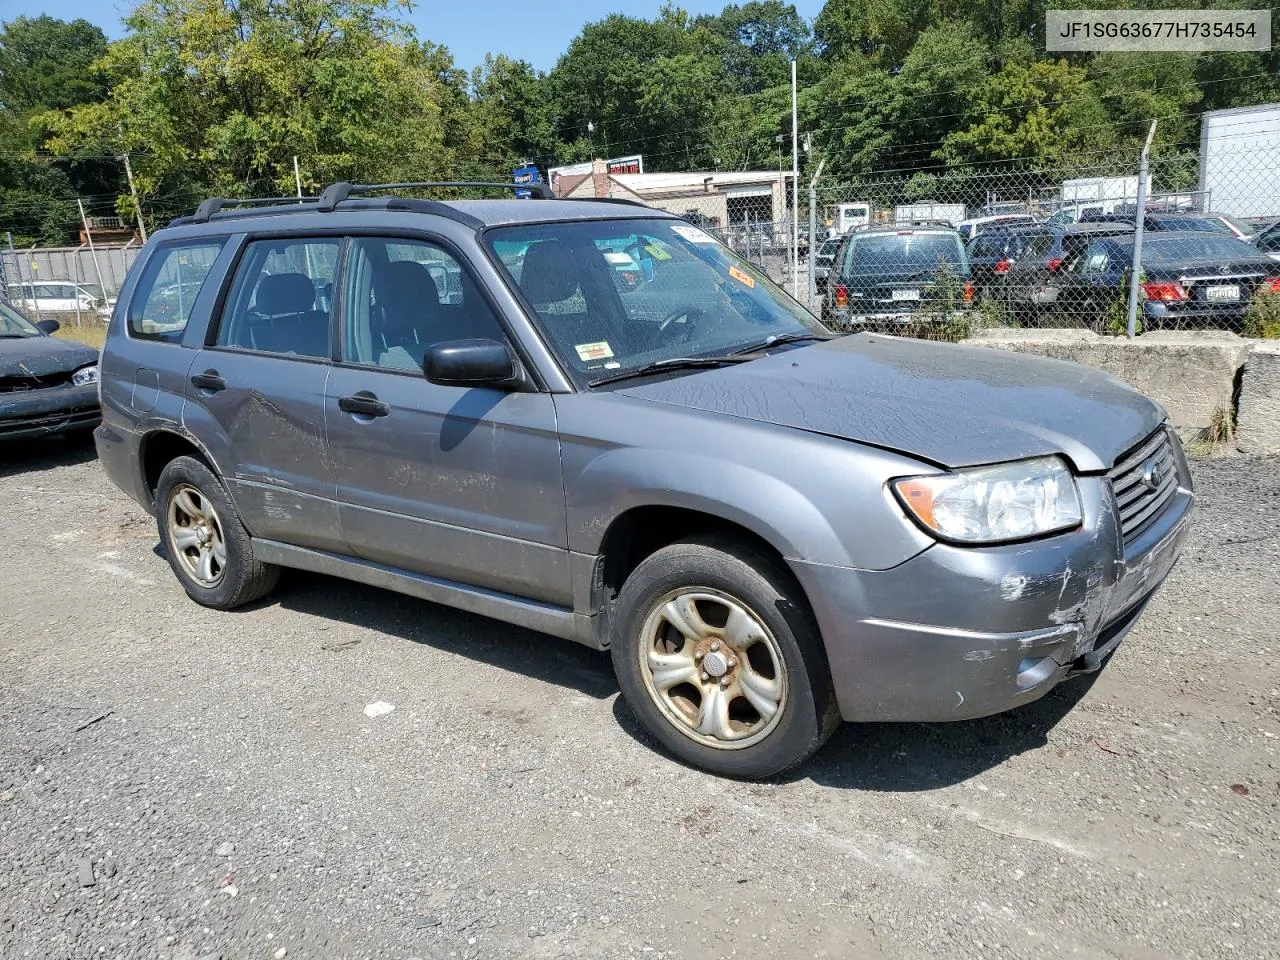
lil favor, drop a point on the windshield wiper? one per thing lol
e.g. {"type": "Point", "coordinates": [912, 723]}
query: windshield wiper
{"type": "Point", "coordinates": [779, 340]}
{"type": "Point", "coordinates": [672, 363]}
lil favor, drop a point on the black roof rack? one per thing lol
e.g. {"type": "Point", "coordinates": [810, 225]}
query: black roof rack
{"type": "Point", "coordinates": [204, 213]}
{"type": "Point", "coordinates": [335, 193]}
{"type": "Point", "coordinates": [626, 200]}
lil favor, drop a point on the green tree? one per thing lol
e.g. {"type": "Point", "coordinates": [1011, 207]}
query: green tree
{"type": "Point", "coordinates": [761, 38]}
{"type": "Point", "coordinates": [220, 95]}
{"type": "Point", "coordinates": [643, 86]}
{"type": "Point", "coordinates": [1040, 110]}
{"type": "Point", "coordinates": [511, 114]}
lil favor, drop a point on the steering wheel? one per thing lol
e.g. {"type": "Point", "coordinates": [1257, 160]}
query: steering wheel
{"type": "Point", "coordinates": [690, 315]}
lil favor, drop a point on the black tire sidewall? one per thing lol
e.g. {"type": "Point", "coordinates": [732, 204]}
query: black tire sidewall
{"type": "Point", "coordinates": [191, 471]}
{"type": "Point", "coordinates": [762, 587]}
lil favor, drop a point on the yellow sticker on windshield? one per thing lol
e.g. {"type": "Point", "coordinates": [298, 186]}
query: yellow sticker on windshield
{"type": "Point", "coordinates": [657, 252]}
{"type": "Point", "coordinates": [742, 277]}
{"type": "Point", "coordinates": [594, 351]}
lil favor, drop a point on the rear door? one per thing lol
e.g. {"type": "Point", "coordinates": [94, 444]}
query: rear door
{"type": "Point", "coordinates": [461, 483]}
{"type": "Point", "coordinates": [256, 389]}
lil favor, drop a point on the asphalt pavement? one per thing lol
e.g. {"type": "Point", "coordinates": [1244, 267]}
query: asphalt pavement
{"type": "Point", "coordinates": [178, 783]}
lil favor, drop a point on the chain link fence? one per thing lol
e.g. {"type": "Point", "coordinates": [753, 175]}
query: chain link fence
{"type": "Point", "coordinates": [938, 254]}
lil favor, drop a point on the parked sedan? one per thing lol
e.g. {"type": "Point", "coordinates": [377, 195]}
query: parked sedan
{"type": "Point", "coordinates": [61, 296]}
{"type": "Point", "coordinates": [1189, 279]}
{"type": "Point", "coordinates": [47, 385]}
{"type": "Point", "coordinates": [885, 275]}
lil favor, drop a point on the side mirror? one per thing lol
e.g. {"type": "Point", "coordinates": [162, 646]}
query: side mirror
{"type": "Point", "coordinates": [471, 363]}
{"type": "Point", "coordinates": [49, 326]}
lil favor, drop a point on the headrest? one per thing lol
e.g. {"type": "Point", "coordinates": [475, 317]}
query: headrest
{"type": "Point", "coordinates": [285, 293]}
{"type": "Point", "coordinates": [550, 272]}
{"type": "Point", "coordinates": [406, 288]}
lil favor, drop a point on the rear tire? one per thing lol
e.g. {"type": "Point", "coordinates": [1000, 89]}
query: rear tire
{"type": "Point", "coordinates": [720, 660]}
{"type": "Point", "coordinates": [208, 547]}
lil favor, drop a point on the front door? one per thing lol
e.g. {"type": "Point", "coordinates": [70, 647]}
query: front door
{"type": "Point", "coordinates": [256, 394]}
{"type": "Point", "coordinates": [458, 483]}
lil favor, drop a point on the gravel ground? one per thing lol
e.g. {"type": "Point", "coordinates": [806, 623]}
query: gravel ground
{"type": "Point", "coordinates": [178, 783]}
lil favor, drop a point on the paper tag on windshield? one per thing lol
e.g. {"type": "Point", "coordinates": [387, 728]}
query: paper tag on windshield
{"type": "Point", "coordinates": [594, 351]}
{"type": "Point", "coordinates": [619, 259]}
{"type": "Point", "coordinates": [742, 277]}
{"type": "Point", "coordinates": [691, 233]}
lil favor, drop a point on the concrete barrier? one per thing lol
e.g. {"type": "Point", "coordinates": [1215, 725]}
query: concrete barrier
{"type": "Point", "coordinates": [1194, 375]}
{"type": "Point", "coordinates": [1258, 417]}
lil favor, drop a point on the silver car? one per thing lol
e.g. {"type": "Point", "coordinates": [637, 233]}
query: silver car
{"type": "Point", "coordinates": [770, 528]}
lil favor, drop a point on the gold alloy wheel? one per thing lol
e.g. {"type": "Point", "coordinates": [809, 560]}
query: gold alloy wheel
{"type": "Point", "coordinates": [712, 667]}
{"type": "Point", "coordinates": [195, 535]}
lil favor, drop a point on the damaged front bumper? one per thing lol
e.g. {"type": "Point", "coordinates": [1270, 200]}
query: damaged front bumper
{"type": "Point", "coordinates": [51, 410]}
{"type": "Point", "coordinates": [956, 633]}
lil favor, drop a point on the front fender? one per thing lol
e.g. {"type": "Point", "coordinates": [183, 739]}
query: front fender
{"type": "Point", "coordinates": [814, 498]}
{"type": "Point", "coordinates": [620, 480]}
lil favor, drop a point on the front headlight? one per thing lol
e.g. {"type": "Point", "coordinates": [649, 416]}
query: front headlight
{"type": "Point", "coordinates": [85, 375]}
{"type": "Point", "coordinates": [1011, 501]}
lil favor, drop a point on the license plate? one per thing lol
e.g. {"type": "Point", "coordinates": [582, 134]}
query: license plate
{"type": "Point", "coordinates": [1222, 292]}
{"type": "Point", "coordinates": [905, 295]}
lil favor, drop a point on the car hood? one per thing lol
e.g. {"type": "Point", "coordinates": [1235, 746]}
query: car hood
{"type": "Point", "coordinates": [953, 405]}
{"type": "Point", "coordinates": [41, 356]}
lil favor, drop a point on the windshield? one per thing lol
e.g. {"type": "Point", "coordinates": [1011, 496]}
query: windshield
{"type": "Point", "coordinates": [905, 252]}
{"type": "Point", "coordinates": [615, 295]}
{"type": "Point", "coordinates": [14, 324]}
{"type": "Point", "coordinates": [93, 290]}
{"type": "Point", "coordinates": [1200, 246]}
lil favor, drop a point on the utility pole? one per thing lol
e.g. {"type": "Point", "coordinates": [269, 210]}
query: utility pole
{"type": "Point", "coordinates": [137, 207]}
{"type": "Point", "coordinates": [88, 235]}
{"type": "Point", "coordinates": [795, 190]}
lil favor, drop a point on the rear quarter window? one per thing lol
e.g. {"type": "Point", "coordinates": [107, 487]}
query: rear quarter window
{"type": "Point", "coordinates": [172, 279]}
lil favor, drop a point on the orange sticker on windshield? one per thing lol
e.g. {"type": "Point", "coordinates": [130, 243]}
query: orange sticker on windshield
{"type": "Point", "coordinates": [594, 351]}
{"type": "Point", "coordinates": [742, 277]}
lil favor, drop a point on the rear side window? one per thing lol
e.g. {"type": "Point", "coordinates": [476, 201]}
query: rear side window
{"type": "Point", "coordinates": [281, 296]}
{"type": "Point", "coordinates": [161, 304]}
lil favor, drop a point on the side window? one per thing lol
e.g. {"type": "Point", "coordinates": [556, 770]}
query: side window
{"type": "Point", "coordinates": [281, 296]}
{"type": "Point", "coordinates": [403, 296]}
{"type": "Point", "coordinates": [1269, 242]}
{"type": "Point", "coordinates": [161, 303]}
{"type": "Point", "coordinates": [1095, 259]}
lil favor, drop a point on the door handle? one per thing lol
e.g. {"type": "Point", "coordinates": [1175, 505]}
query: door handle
{"type": "Point", "coordinates": [209, 380]}
{"type": "Point", "coordinates": [364, 404]}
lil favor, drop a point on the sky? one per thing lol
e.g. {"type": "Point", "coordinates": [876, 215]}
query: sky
{"type": "Point", "coordinates": [533, 30]}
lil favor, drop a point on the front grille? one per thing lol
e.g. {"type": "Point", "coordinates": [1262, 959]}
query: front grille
{"type": "Point", "coordinates": [1144, 480]}
{"type": "Point", "coordinates": [20, 384]}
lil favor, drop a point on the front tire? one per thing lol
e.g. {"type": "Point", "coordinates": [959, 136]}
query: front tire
{"type": "Point", "coordinates": [719, 658]}
{"type": "Point", "coordinates": [208, 547]}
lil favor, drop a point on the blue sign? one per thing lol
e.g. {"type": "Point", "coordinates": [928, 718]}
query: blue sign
{"type": "Point", "coordinates": [527, 174]}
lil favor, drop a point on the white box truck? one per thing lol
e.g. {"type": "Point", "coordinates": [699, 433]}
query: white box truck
{"type": "Point", "coordinates": [850, 215]}
{"type": "Point", "coordinates": [1240, 160]}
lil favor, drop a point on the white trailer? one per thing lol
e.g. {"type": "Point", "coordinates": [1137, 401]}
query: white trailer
{"type": "Point", "coordinates": [1100, 194]}
{"type": "Point", "coordinates": [952, 213]}
{"type": "Point", "coordinates": [1239, 159]}
{"type": "Point", "coordinates": [850, 215]}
